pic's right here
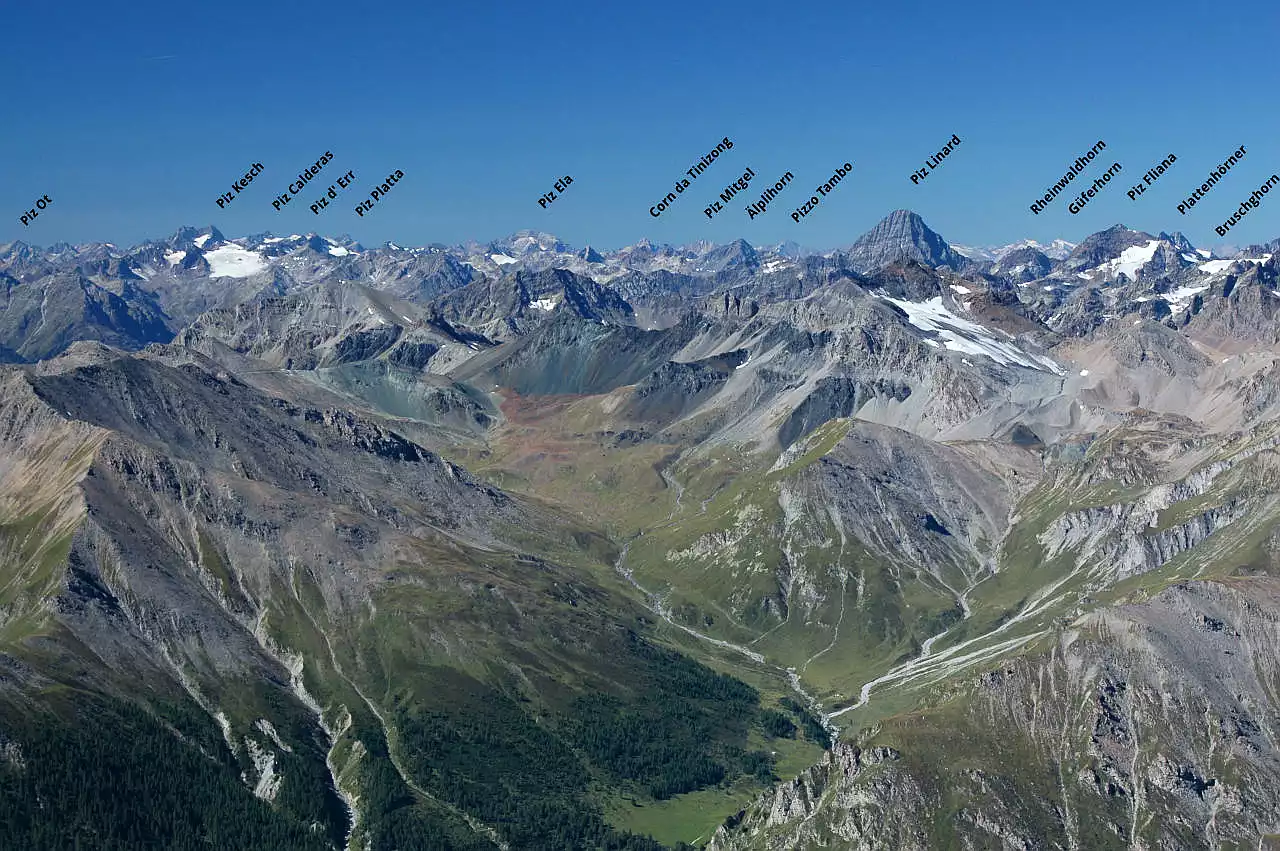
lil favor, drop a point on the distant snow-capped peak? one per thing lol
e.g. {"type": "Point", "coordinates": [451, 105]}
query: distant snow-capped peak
{"type": "Point", "coordinates": [1056, 250]}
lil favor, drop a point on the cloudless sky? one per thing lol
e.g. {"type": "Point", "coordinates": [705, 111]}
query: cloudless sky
{"type": "Point", "coordinates": [135, 117]}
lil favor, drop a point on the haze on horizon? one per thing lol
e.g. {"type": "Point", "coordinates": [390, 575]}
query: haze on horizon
{"type": "Point", "coordinates": [485, 108]}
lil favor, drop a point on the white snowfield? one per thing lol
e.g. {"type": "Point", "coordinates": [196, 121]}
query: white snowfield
{"type": "Point", "coordinates": [201, 240]}
{"type": "Point", "coordinates": [962, 335]}
{"type": "Point", "coordinates": [232, 261]}
{"type": "Point", "coordinates": [502, 259]}
{"type": "Point", "coordinates": [1131, 259]}
{"type": "Point", "coordinates": [1182, 296]}
{"type": "Point", "coordinates": [548, 303]}
{"type": "Point", "coordinates": [338, 251]}
{"type": "Point", "coordinates": [175, 257]}
{"type": "Point", "coordinates": [1213, 267]}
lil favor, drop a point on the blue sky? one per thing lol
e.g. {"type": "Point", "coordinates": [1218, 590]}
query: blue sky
{"type": "Point", "coordinates": [134, 119]}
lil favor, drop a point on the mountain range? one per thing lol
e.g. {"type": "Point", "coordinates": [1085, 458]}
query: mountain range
{"type": "Point", "coordinates": [523, 545]}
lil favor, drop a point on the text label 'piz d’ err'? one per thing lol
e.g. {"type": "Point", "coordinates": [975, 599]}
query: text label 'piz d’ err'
{"type": "Point", "coordinates": [344, 182]}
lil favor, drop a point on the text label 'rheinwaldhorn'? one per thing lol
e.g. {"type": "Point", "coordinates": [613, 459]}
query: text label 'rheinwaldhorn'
{"type": "Point", "coordinates": [1078, 166]}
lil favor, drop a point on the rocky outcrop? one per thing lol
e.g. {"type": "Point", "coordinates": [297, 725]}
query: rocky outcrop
{"type": "Point", "coordinates": [1142, 726]}
{"type": "Point", "coordinates": [901, 236]}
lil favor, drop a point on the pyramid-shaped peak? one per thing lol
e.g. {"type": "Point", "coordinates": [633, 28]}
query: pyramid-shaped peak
{"type": "Point", "coordinates": [902, 235]}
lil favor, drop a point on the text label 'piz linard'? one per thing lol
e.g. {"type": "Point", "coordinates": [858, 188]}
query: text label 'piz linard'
{"type": "Point", "coordinates": [934, 161]}
{"type": "Point", "coordinates": [379, 192]}
{"type": "Point", "coordinates": [682, 184]}
{"type": "Point", "coordinates": [558, 187]}
{"type": "Point", "coordinates": [304, 178]}
{"type": "Point", "coordinates": [227, 197]}
{"type": "Point", "coordinates": [30, 215]}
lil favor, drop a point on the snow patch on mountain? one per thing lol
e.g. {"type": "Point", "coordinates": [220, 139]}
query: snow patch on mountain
{"type": "Point", "coordinates": [232, 261]}
{"type": "Point", "coordinates": [963, 335]}
{"type": "Point", "coordinates": [1213, 267]}
{"type": "Point", "coordinates": [1056, 250]}
{"type": "Point", "coordinates": [1182, 296]}
{"type": "Point", "coordinates": [1130, 260]}
{"type": "Point", "coordinates": [502, 259]}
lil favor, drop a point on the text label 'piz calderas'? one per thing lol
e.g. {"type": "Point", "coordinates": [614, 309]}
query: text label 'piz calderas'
{"type": "Point", "coordinates": [305, 177]}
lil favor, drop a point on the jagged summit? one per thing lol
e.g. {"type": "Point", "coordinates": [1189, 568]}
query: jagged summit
{"type": "Point", "coordinates": [331, 522]}
{"type": "Point", "coordinates": [902, 235]}
{"type": "Point", "coordinates": [187, 234]}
